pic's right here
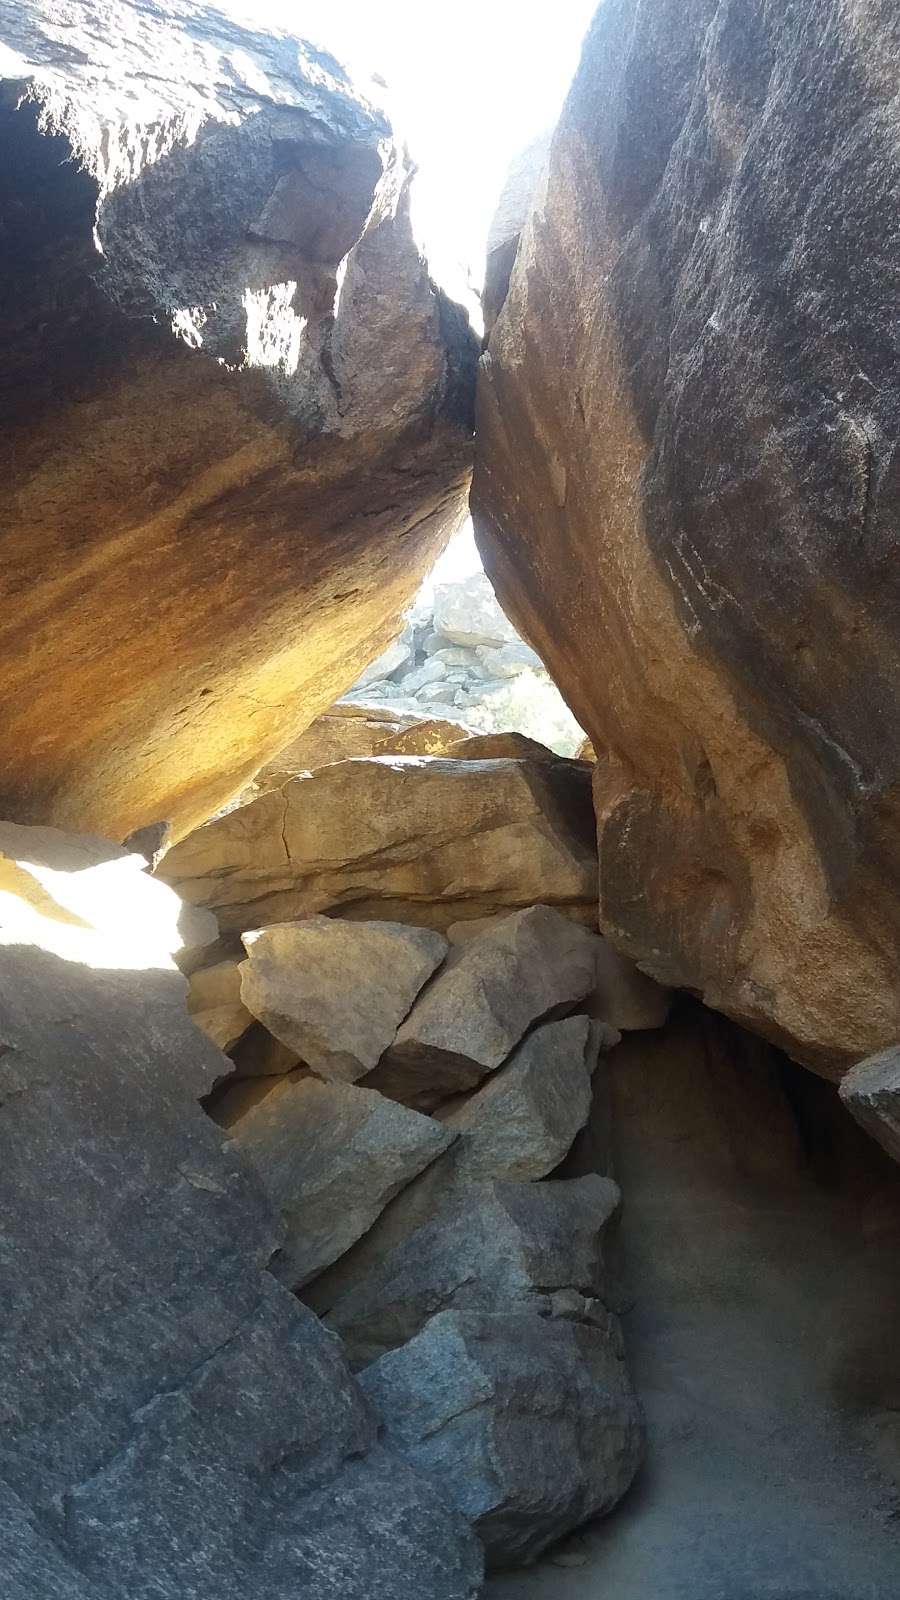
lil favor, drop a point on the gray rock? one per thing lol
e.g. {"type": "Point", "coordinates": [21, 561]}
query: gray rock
{"type": "Point", "coordinates": [491, 1247]}
{"type": "Point", "coordinates": [174, 1423]}
{"type": "Point", "coordinates": [390, 661]}
{"type": "Point", "coordinates": [468, 613]}
{"type": "Point", "coordinates": [522, 1122]}
{"type": "Point", "coordinates": [331, 1156]}
{"type": "Point", "coordinates": [529, 1426]}
{"type": "Point", "coordinates": [432, 671]}
{"type": "Point", "coordinates": [871, 1091]}
{"type": "Point", "coordinates": [258, 1054]}
{"type": "Point", "coordinates": [336, 992]}
{"type": "Point", "coordinates": [214, 1002]}
{"type": "Point", "coordinates": [508, 660]}
{"type": "Point", "coordinates": [624, 996]}
{"type": "Point", "coordinates": [491, 990]}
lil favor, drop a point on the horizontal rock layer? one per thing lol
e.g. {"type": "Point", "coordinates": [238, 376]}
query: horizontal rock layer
{"type": "Point", "coordinates": [235, 410]}
{"type": "Point", "coordinates": [687, 489]}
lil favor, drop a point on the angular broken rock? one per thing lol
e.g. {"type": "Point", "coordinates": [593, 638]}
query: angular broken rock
{"type": "Point", "coordinates": [871, 1091]}
{"type": "Point", "coordinates": [490, 992]}
{"type": "Point", "coordinates": [273, 465]}
{"type": "Point", "coordinates": [336, 992]}
{"type": "Point", "coordinates": [530, 1426]}
{"type": "Point", "coordinates": [349, 728]}
{"type": "Point", "coordinates": [174, 1422]}
{"type": "Point", "coordinates": [331, 1156]}
{"type": "Point", "coordinates": [413, 839]}
{"type": "Point", "coordinates": [522, 1122]}
{"type": "Point", "coordinates": [214, 1002]}
{"type": "Point", "coordinates": [500, 746]}
{"type": "Point", "coordinates": [491, 1247]}
{"type": "Point", "coordinates": [624, 996]}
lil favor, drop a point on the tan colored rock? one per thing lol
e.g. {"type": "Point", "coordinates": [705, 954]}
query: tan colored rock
{"type": "Point", "coordinates": [336, 992]}
{"type": "Point", "coordinates": [624, 996]}
{"type": "Point", "coordinates": [491, 991]}
{"type": "Point", "coordinates": [330, 1156]}
{"type": "Point", "coordinates": [259, 1055]}
{"type": "Point", "coordinates": [687, 494]}
{"type": "Point", "coordinates": [351, 729]}
{"type": "Point", "coordinates": [214, 1002]}
{"type": "Point", "coordinates": [508, 746]}
{"type": "Point", "coordinates": [411, 839]}
{"type": "Point", "coordinates": [242, 428]}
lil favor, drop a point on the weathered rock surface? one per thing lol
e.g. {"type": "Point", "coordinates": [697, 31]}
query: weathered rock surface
{"type": "Point", "coordinates": [336, 992]}
{"type": "Point", "coordinates": [758, 1248]}
{"type": "Point", "coordinates": [686, 495]}
{"type": "Point", "coordinates": [215, 1004]}
{"type": "Point", "coordinates": [490, 992]}
{"type": "Point", "coordinates": [468, 613]}
{"type": "Point", "coordinates": [417, 840]}
{"type": "Point", "coordinates": [522, 1122]}
{"type": "Point", "coordinates": [330, 1157]}
{"type": "Point", "coordinates": [871, 1091]}
{"type": "Point", "coordinates": [351, 728]}
{"type": "Point", "coordinates": [529, 1426]}
{"type": "Point", "coordinates": [492, 1247]}
{"type": "Point", "coordinates": [507, 223]}
{"type": "Point", "coordinates": [494, 746]}
{"type": "Point", "coordinates": [174, 1422]}
{"type": "Point", "coordinates": [625, 997]}
{"type": "Point", "coordinates": [236, 428]}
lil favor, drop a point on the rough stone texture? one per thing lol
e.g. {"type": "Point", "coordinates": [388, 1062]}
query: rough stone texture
{"type": "Point", "coordinates": [507, 224]}
{"type": "Point", "coordinates": [529, 1426]}
{"type": "Point", "coordinates": [330, 1157]}
{"type": "Point", "coordinates": [687, 489]}
{"type": "Point", "coordinates": [492, 989]}
{"type": "Point", "coordinates": [174, 1424]}
{"type": "Point", "coordinates": [418, 840]}
{"type": "Point", "coordinates": [491, 1247]}
{"type": "Point", "coordinates": [223, 479]}
{"type": "Point", "coordinates": [214, 1002]}
{"type": "Point", "coordinates": [336, 992]}
{"type": "Point", "coordinates": [522, 1122]}
{"type": "Point", "coordinates": [350, 728]}
{"type": "Point", "coordinates": [258, 1055]}
{"type": "Point", "coordinates": [757, 1249]}
{"type": "Point", "coordinates": [871, 1092]}
{"type": "Point", "coordinates": [491, 746]}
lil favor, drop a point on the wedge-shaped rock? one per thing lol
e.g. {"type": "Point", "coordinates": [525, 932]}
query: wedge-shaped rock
{"type": "Point", "coordinates": [174, 1423]}
{"type": "Point", "coordinates": [223, 476]}
{"type": "Point", "coordinates": [529, 1426]}
{"type": "Point", "coordinates": [350, 729]}
{"type": "Point", "coordinates": [214, 1002]}
{"type": "Point", "coordinates": [331, 1156]}
{"type": "Point", "coordinates": [871, 1091]}
{"type": "Point", "coordinates": [491, 991]}
{"type": "Point", "coordinates": [336, 992]}
{"type": "Point", "coordinates": [411, 839]}
{"type": "Point", "coordinates": [624, 996]}
{"type": "Point", "coordinates": [494, 746]}
{"type": "Point", "coordinates": [492, 1247]}
{"type": "Point", "coordinates": [522, 1122]}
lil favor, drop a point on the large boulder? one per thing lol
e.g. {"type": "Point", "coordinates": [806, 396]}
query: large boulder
{"type": "Point", "coordinates": [493, 988]}
{"type": "Point", "coordinates": [529, 1426]}
{"type": "Point", "coordinates": [407, 839]}
{"type": "Point", "coordinates": [336, 992]}
{"type": "Point", "coordinates": [237, 428]}
{"type": "Point", "coordinates": [330, 1157]}
{"type": "Point", "coordinates": [490, 1247]}
{"type": "Point", "coordinates": [687, 495]}
{"type": "Point", "coordinates": [467, 613]}
{"type": "Point", "coordinates": [174, 1422]}
{"type": "Point", "coordinates": [351, 728]}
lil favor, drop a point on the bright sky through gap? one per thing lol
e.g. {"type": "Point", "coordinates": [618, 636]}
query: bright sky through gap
{"type": "Point", "coordinates": [470, 83]}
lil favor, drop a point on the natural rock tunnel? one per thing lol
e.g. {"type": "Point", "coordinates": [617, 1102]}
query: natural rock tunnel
{"type": "Point", "coordinates": [451, 1147]}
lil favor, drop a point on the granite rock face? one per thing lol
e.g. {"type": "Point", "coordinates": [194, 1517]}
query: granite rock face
{"type": "Point", "coordinates": [490, 1247]}
{"type": "Point", "coordinates": [493, 988]}
{"type": "Point", "coordinates": [871, 1091]}
{"type": "Point", "coordinates": [236, 413]}
{"type": "Point", "coordinates": [529, 1426]}
{"type": "Point", "coordinates": [336, 992]}
{"type": "Point", "coordinates": [407, 839]}
{"type": "Point", "coordinates": [174, 1422]}
{"type": "Point", "coordinates": [330, 1157]}
{"type": "Point", "coordinates": [687, 489]}
{"type": "Point", "coordinates": [349, 729]}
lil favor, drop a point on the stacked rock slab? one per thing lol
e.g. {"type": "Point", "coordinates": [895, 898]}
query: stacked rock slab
{"type": "Point", "coordinates": [686, 495]}
{"type": "Point", "coordinates": [174, 1421]}
{"type": "Point", "coordinates": [236, 412]}
{"type": "Point", "coordinates": [408, 839]}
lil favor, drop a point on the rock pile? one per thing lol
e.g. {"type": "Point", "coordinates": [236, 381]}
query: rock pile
{"type": "Point", "coordinates": [459, 656]}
